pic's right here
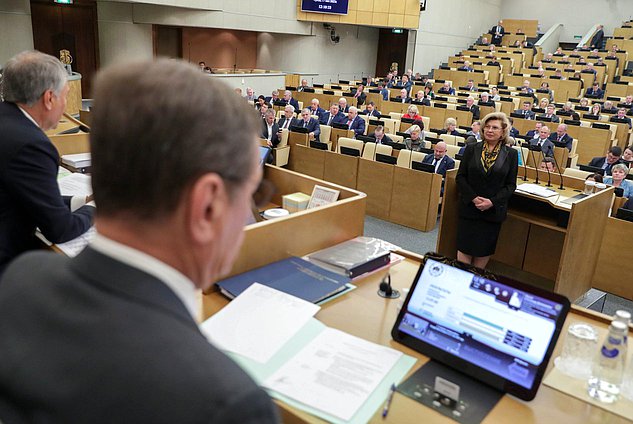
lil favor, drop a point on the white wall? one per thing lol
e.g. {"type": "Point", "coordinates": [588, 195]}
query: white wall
{"type": "Point", "coordinates": [16, 31]}
{"type": "Point", "coordinates": [577, 16]}
{"type": "Point", "coordinates": [449, 26]}
{"type": "Point", "coordinates": [119, 37]}
{"type": "Point", "coordinates": [353, 57]}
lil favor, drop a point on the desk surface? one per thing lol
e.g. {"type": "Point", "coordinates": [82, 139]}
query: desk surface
{"type": "Point", "coordinates": [364, 314]}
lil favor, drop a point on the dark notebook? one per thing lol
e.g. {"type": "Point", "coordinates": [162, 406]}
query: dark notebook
{"type": "Point", "coordinates": [354, 257]}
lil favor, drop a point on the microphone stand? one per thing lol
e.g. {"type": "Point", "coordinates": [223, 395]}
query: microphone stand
{"type": "Point", "coordinates": [531, 149]}
{"type": "Point", "coordinates": [558, 169]}
{"type": "Point", "coordinates": [549, 175]}
{"type": "Point", "coordinates": [523, 160]}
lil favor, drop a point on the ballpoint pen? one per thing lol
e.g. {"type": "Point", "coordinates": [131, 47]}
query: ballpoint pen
{"type": "Point", "coordinates": [385, 410]}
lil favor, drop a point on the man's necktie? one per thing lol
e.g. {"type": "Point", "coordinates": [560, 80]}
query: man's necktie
{"type": "Point", "coordinates": [349, 123]}
{"type": "Point", "coordinates": [305, 124]}
{"type": "Point", "coordinates": [329, 121]}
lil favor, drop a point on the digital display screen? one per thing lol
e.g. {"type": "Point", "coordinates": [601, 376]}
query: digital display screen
{"type": "Point", "coordinates": [496, 327]}
{"type": "Point", "coordinates": [338, 7]}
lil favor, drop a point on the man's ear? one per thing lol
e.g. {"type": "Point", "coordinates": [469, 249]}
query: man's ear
{"type": "Point", "coordinates": [47, 99]}
{"type": "Point", "coordinates": [206, 205]}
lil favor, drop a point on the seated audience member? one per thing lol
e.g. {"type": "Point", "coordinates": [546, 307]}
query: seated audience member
{"type": "Point", "coordinates": [371, 110]}
{"type": "Point", "coordinates": [542, 141]}
{"type": "Point", "coordinates": [484, 41]}
{"type": "Point", "coordinates": [270, 129]}
{"type": "Point", "coordinates": [412, 113]}
{"type": "Point", "coordinates": [419, 123]}
{"type": "Point", "coordinates": [416, 140]}
{"type": "Point", "coordinates": [111, 334]}
{"type": "Point", "coordinates": [289, 100]}
{"type": "Point", "coordinates": [526, 110]}
{"type": "Point", "coordinates": [627, 156]}
{"type": "Point", "coordinates": [597, 178]}
{"type": "Point", "coordinates": [567, 109]}
{"type": "Point", "coordinates": [202, 65]}
{"type": "Point", "coordinates": [540, 72]}
{"type": "Point", "coordinates": [303, 86]}
{"type": "Point", "coordinates": [484, 100]}
{"type": "Point", "coordinates": [334, 116]}
{"type": "Point", "coordinates": [380, 136]}
{"type": "Point", "coordinates": [470, 140]}
{"type": "Point", "coordinates": [406, 84]}
{"type": "Point", "coordinates": [561, 136]}
{"type": "Point", "coordinates": [595, 91]}
{"type": "Point", "coordinates": [493, 62]}
{"type": "Point", "coordinates": [439, 159]}
{"type": "Point", "coordinates": [595, 110]}
{"type": "Point", "coordinates": [589, 68]}
{"type": "Point", "coordinates": [310, 123]}
{"type": "Point", "coordinates": [421, 99]}
{"type": "Point", "coordinates": [355, 122]}
{"type": "Point", "coordinates": [35, 87]}
{"type": "Point", "coordinates": [547, 164]}
{"type": "Point", "coordinates": [558, 74]}
{"type": "Point", "coordinates": [472, 107]}
{"type": "Point", "coordinates": [343, 107]}
{"type": "Point", "coordinates": [475, 131]}
{"type": "Point", "coordinates": [549, 58]}
{"type": "Point", "coordinates": [428, 91]}
{"type": "Point", "coordinates": [543, 103]}
{"type": "Point", "coordinates": [250, 94]}
{"type": "Point", "coordinates": [466, 67]}
{"type": "Point", "coordinates": [288, 120]}
{"type": "Point", "coordinates": [526, 87]}
{"type": "Point", "coordinates": [550, 114]}
{"type": "Point", "coordinates": [526, 92]}
{"type": "Point", "coordinates": [584, 102]}
{"type": "Point", "coordinates": [627, 103]}
{"type": "Point", "coordinates": [263, 109]}
{"type": "Point", "coordinates": [514, 133]}
{"type": "Point", "coordinates": [360, 95]}
{"type": "Point", "coordinates": [316, 109]}
{"type": "Point", "coordinates": [494, 94]}
{"type": "Point", "coordinates": [274, 97]}
{"type": "Point", "coordinates": [384, 92]}
{"type": "Point", "coordinates": [535, 132]}
{"type": "Point", "coordinates": [617, 179]}
{"type": "Point", "coordinates": [450, 127]}
{"type": "Point", "coordinates": [606, 162]}
{"type": "Point", "coordinates": [609, 107]}
{"type": "Point", "coordinates": [446, 89]}
{"type": "Point", "coordinates": [404, 96]}
{"type": "Point", "coordinates": [260, 101]}
{"type": "Point", "coordinates": [621, 117]}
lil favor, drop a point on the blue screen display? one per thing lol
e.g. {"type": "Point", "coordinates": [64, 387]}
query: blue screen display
{"type": "Point", "coordinates": [325, 6]}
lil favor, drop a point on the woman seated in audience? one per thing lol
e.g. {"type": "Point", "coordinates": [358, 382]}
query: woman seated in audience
{"type": "Point", "coordinates": [420, 124]}
{"type": "Point", "coordinates": [595, 110]}
{"type": "Point", "coordinates": [412, 113]}
{"type": "Point", "coordinates": [450, 127]}
{"type": "Point", "coordinates": [543, 103]}
{"type": "Point", "coordinates": [260, 101]}
{"type": "Point", "coordinates": [416, 141]}
{"type": "Point", "coordinates": [428, 91]}
{"type": "Point", "coordinates": [618, 179]}
{"type": "Point", "coordinates": [627, 156]}
{"type": "Point", "coordinates": [596, 178]}
{"type": "Point", "coordinates": [545, 86]}
{"type": "Point", "coordinates": [584, 102]}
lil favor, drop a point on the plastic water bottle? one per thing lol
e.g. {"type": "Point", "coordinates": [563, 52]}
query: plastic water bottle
{"type": "Point", "coordinates": [604, 383]}
{"type": "Point", "coordinates": [624, 316]}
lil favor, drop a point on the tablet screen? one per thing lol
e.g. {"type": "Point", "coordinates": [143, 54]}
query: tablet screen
{"type": "Point", "coordinates": [507, 332]}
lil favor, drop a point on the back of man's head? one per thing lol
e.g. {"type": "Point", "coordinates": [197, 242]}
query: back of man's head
{"type": "Point", "coordinates": [29, 74]}
{"type": "Point", "coordinates": [151, 139]}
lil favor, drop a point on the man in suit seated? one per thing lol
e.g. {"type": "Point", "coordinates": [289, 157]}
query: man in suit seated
{"type": "Point", "coordinates": [303, 86]}
{"type": "Point", "coordinates": [470, 86]}
{"type": "Point", "coordinates": [475, 131]}
{"type": "Point", "coordinates": [334, 116]}
{"type": "Point", "coordinates": [493, 61]}
{"type": "Point", "coordinates": [484, 41]}
{"type": "Point", "coordinates": [289, 100]}
{"type": "Point", "coordinates": [550, 115]}
{"type": "Point", "coordinates": [627, 103]}
{"type": "Point", "coordinates": [595, 91]}
{"type": "Point", "coordinates": [567, 109]}
{"type": "Point", "coordinates": [355, 122]}
{"type": "Point", "coordinates": [542, 141]}
{"type": "Point", "coordinates": [466, 67]}
{"type": "Point", "coordinates": [122, 314]}
{"type": "Point", "coordinates": [343, 107]}
{"type": "Point", "coordinates": [250, 94]}
{"type": "Point", "coordinates": [526, 87]}
{"type": "Point", "coordinates": [310, 123]}
{"type": "Point", "coordinates": [380, 136]}
{"type": "Point", "coordinates": [360, 96]}
{"type": "Point", "coordinates": [558, 74]}
{"type": "Point", "coordinates": [407, 84]}
{"type": "Point", "coordinates": [526, 110]}
{"type": "Point", "coordinates": [606, 162]}
{"type": "Point", "coordinates": [35, 90]}
{"type": "Point", "coordinates": [274, 97]}
{"type": "Point", "coordinates": [484, 100]}
{"type": "Point", "coordinates": [371, 110]}
{"type": "Point", "coordinates": [404, 96]}
{"type": "Point", "coordinates": [420, 98]}
{"type": "Point", "coordinates": [514, 132]}
{"type": "Point", "coordinates": [547, 164]}
{"type": "Point", "coordinates": [472, 107]}
{"type": "Point", "coordinates": [439, 159]}
{"type": "Point", "coordinates": [288, 120]}
{"type": "Point", "coordinates": [446, 89]}
{"type": "Point", "coordinates": [270, 129]}
{"type": "Point", "coordinates": [316, 109]}
{"type": "Point", "coordinates": [621, 117]}
{"type": "Point", "coordinates": [535, 132]}
{"type": "Point", "coordinates": [561, 137]}
{"type": "Point", "coordinates": [549, 58]}
{"type": "Point", "coordinates": [609, 107]}
{"type": "Point", "coordinates": [384, 92]}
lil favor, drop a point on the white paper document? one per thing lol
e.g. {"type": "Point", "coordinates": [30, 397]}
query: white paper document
{"type": "Point", "coordinates": [258, 322]}
{"type": "Point", "coordinates": [335, 373]}
{"type": "Point", "coordinates": [75, 184]}
{"type": "Point", "coordinates": [73, 247]}
{"type": "Point", "coordinates": [537, 190]}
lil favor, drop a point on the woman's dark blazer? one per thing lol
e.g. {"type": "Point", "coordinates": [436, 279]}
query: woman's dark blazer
{"type": "Point", "coordinates": [497, 184]}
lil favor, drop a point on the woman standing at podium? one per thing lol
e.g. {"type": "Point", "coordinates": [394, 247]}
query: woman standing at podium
{"type": "Point", "coordinates": [485, 181]}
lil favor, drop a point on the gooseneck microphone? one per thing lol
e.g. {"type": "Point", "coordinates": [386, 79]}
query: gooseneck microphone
{"type": "Point", "coordinates": [560, 174]}
{"type": "Point", "coordinates": [385, 290]}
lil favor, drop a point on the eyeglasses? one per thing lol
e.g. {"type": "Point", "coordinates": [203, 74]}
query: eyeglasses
{"type": "Point", "coordinates": [492, 128]}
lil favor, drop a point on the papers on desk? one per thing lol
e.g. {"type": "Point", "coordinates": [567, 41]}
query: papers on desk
{"type": "Point", "coordinates": [335, 373]}
{"type": "Point", "coordinates": [258, 322]}
{"type": "Point", "coordinates": [75, 184]}
{"type": "Point", "coordinates": [537, 190]}
{"type": "Point", "coordinates": [62, 172]}
{"type": "Point", "coordinates": [73, 247]}
{"type": "Point", "coordinates": [77, 160]}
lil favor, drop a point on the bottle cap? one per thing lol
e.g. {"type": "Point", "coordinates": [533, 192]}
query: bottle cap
{"type": "Point", "coordinates": [623, 315]}
{"type": "Point", "coordinates": [619, 326]}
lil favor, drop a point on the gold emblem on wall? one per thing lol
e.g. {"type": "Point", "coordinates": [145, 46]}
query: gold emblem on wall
{"type": "Point", "coordinates": [65, 57]}
{"type": "Point", "coordinates": [394, 67]}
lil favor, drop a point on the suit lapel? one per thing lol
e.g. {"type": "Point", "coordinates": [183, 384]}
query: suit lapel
{"type": "Point", "coordinates": [501, 158]}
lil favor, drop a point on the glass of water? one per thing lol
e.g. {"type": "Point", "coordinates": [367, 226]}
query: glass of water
{"type": "Point", "coordinates": [579, 351]}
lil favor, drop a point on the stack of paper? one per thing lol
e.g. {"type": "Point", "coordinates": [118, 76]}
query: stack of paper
{"type": "Point", "coordinates": [78, 160]}
{"type": "Point", "coordinates": [537, 190]}
{"type": "Point", "coordinates": [75, 184]}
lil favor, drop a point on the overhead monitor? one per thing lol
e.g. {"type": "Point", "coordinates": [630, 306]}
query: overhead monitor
{"type": "Point", "coordinates": [338, 7]}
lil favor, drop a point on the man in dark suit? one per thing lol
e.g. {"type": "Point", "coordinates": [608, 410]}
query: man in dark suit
{"type": "Point", "coordinates": [316, 109]}
{"type": "Point", "coordinates": [303, 86]}
{"type": "Point", "coordinates": [289, 100]}
{"type": "Point", "coordinates": [380, 136]}
{"type": "Point", "coordinates": [466, 67]}
{"type": "Point", "coordinates": [310, 123]}
{"type": "Point", "coordinates": [119, 341]}
{"type": "Point", "coordinates": [333, 116]}
{"type": "Point", "coordinates": [497, 32]}
{"type": "Point", "coordinates": [274, 97]}
{"type": "Point", "coordinates": [371, 110]}
{"type": "Point", "coordinates": [384, 92]}
{"type": "Point", "coordinates": [542, 141]}
{"type": "Point", "coordinates": [606, 162]}
{"type": "Point", "coordinates": [535, 132]}
{"type": "Point", "coordinates": [526, 110]}
{"type": "Point", "coordinates": [288, 120]}
{"type": "Point", "coordinates": [550, 115]}
{"type": "Point", "coordinates": [360, 95]}
{"type": "Point", "coordinates": [473, 108]}
{"type": "Point", "coordinates": [355, 122]}
{"type": "Point", "coordinates": [595, 91]}
{"type": "Point", "coordinates": [439, 159]}
{"type": "Point", "coordinates": [621, 117]}
{"type": "Point", "coordinates": [403, 97]}
{"type": "Point", "coordinates": [446, 89]}
{"type": "Point", "coordinates": [343, 107]}
{"type": "Point", "coordinates": [484, 100]}
{"type": "Point", "coordinates": [407, 84]}
{"type": "Point", "coordinates": [561, 137]}
{"type": "Point", "coordinates": [270, 129]}
{"type": "Point", "coordinates": [598, 38]}
{"type": "Point", "coordinates": [35, 90]}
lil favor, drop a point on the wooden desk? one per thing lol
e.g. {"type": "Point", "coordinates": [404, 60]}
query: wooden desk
{"type": "Point", "coordinates": [533, 242]}
{"type": "Point", "coordinates": [363, 314]}
{"type": "Point", "coordinates": [615, 252]}
{"type": "Point", "coordinates": [336, 133]}
{"type": "Point", "coordinates": [460, 78]}
{"type": "Point", "coordinates": [415, 198]}
{"type": "Point", "coordinates": [69, 144]}
{"type": "Point", "coordinates": [376, 180]}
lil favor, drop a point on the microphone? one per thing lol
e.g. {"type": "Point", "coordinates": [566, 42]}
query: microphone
{"type": "Point", "coordinates": [560, 174]}
{"type": "Point", "coordinates": [549, 175]}
{"type": "Point", "coordinates": [523, 160]}
{"type": "Point", "coordinates": [385, 290]}
{"type": "Point", "coordinates": [531, 149]}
